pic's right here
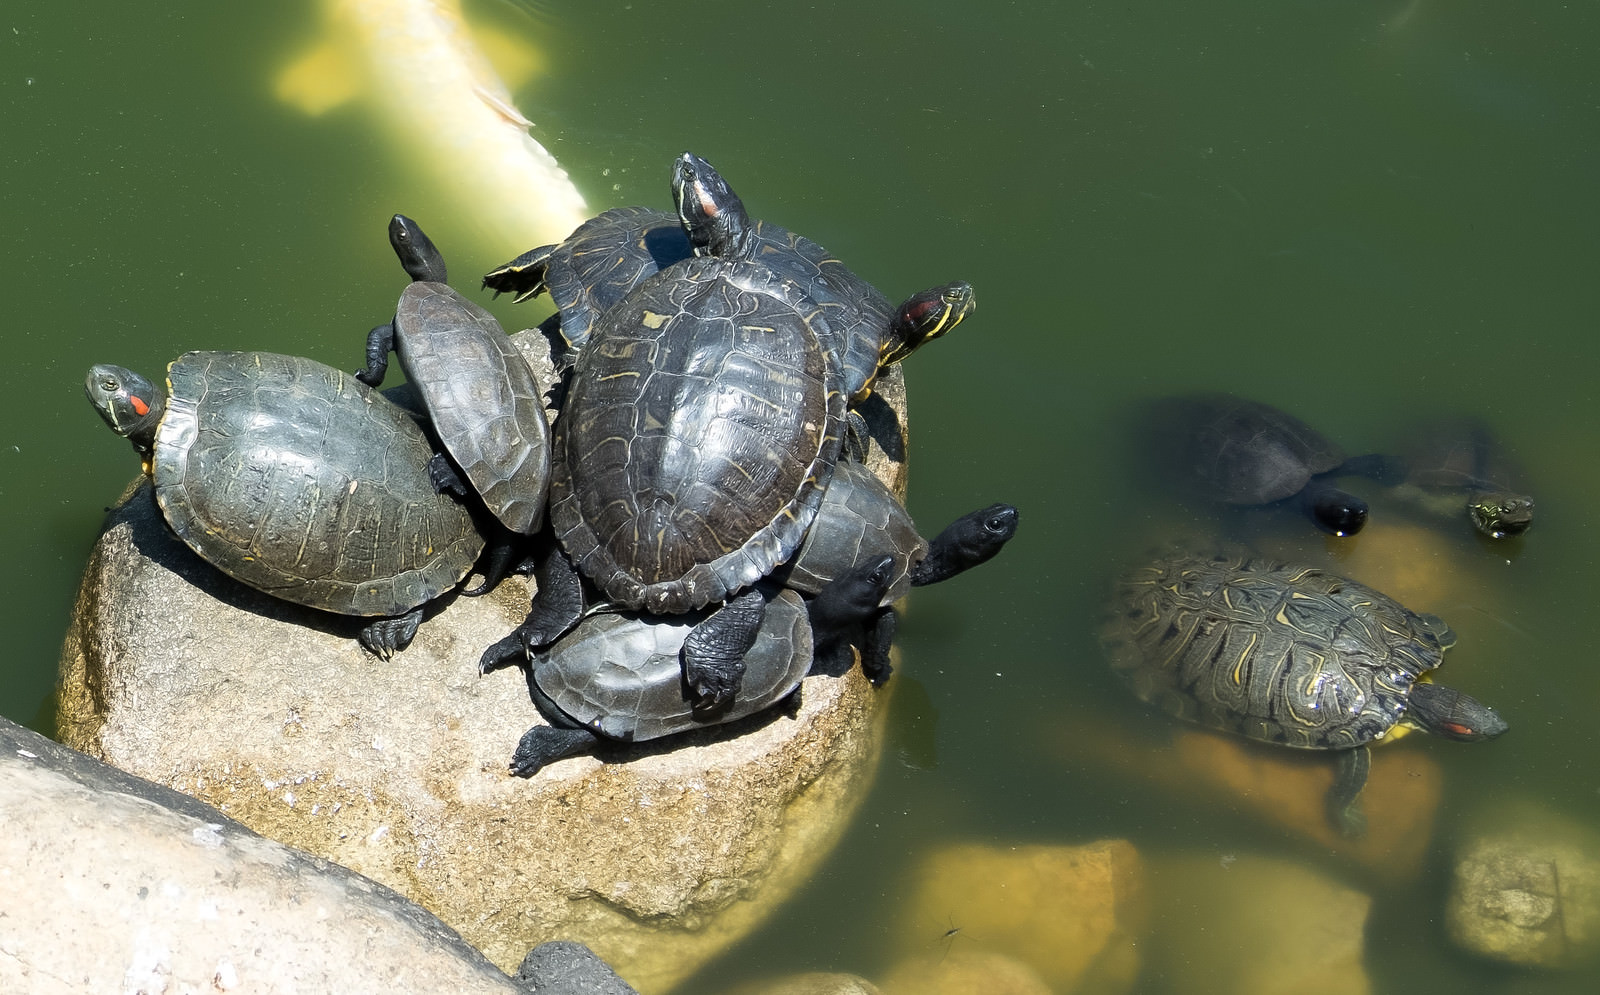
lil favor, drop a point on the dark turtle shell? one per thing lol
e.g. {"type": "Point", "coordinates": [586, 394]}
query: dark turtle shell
{"type": "Point", "coordinates": [484, 403]}
{"type": "Point", "coordinates": [304, 483]}
{"type": "Point", "coordinates": [699, 433]}
{"type": "Point", "coordinates": [860, 518]}
{"type": "Point", "coordinates": [595, 267]}
{"type": "Point", "coordinates": [619, 674]}
{"type": "Point", "coordinates": [1233, 450]}
{"type": "Point", "coordinates": [859, 316]}
{"type": "Point", "coordinates": [1277, 653]}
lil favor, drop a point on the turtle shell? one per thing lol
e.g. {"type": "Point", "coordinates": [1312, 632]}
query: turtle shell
{"type": "Point", "coordinates": [1233, 450]}
{"type": "Point", "coordinates": [302, 482]}
{"type": "Point", "coordinates": [858, 314]}
{"type": "Point", "coordinates": [699, 433]}
{"type": "Point", "coordinates": [485, 404]}
{"type": "Point", "coordinates": [620, 675]}
{"type": "Point", "coordinates": [1276, 653]}
{"type": "Point", "coordinates": [860, 518]}
{"type": "Point", "coordinates": [598, 264]}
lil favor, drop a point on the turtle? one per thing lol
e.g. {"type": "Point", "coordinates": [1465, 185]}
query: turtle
{"type": "Point", "coordinates": [861, 518]}
{"type": "Point", "coordinates": [1457, 464]}
{"type": "Point", "coordinates": [297, 480]}
{"type": "Point", "coordinates": [868, 332]}
{"type": "Point", "coordinates": [483, 402]}
{"type": "Point", "coordinates": [1286, 654]}
{"type": "Point", "coordinates": [593, 269]}
{"type": "Point", "coordinates": [699, 432]}
{"type": "Point", "coordinates": [1236, 451]}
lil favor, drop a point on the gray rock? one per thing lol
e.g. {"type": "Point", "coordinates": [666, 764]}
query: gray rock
{"type": "Point", "coordinates": [398, 769]}
{"type": "Point", "coordinates": [1528, 893]}
{"type": "Point", "coordinates": [562, 967]}
{"type": "Point", "coordinates": [111, 883]}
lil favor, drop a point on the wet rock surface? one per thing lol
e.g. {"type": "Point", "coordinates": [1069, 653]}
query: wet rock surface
{"type": "Point", "coordinates": [1527, 891]}
{"type": "Point", "coordinates": [397, 769]}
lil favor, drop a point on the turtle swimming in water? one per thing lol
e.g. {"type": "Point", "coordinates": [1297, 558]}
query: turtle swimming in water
{"type": "Point", "coordinates": [1288, 655]}
{"type": "Point", "coordinates": [1231, 450]}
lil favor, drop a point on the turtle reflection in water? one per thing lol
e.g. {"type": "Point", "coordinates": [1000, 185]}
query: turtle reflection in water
{"type": "Point", "coordinates": [1288, 655]}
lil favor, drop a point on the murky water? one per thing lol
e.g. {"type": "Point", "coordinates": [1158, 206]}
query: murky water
{"type": "Point", "coordinates": [1362, 211]}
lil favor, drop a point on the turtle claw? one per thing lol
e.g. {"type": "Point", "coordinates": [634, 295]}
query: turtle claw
{"type": "Point", "coordinates": [387, 636]}
{"type": "Point", "coordinates": [503, 653]}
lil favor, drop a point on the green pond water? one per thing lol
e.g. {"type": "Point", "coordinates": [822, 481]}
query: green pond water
{"type": "Point", "coordinates": [1361, 210]}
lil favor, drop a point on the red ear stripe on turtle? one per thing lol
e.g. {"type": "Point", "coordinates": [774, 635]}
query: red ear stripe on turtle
{"type": "Point", "coordinates": [140, 408]}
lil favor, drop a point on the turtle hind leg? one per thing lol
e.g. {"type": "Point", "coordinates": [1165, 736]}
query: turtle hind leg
{"type": "Point", "coordinates": [379, 343]}
{"type": "Point", "coordinates": [1344, 796]}
{"type": "Point", "coordinates": [384, 637]}
{"type": "Point", "coordinates": [542, 745]}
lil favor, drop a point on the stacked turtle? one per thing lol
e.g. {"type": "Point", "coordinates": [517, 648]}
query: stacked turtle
{"type": "Point", "coordinates": [704, 545]}
{"type": "Point", "coordinates": [697, 489]}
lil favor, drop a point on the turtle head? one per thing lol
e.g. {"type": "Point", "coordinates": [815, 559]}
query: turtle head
{"type": "Point", "coordinates": [1453, 714]}
{"type": "Point", "coordinates": [1335, 512]}
{"type": "Point", "coordinates": [926, 316]}
{"type": "Point", "coordinates": [1498, 515]}
{"type": "Point", "coordinates": [129, 403]}
{"type": "Point", "coordinates": [416, 250]}
{"type": "Point", "coordinates": [713, 216]}
{"type": "Point", "coordinates": [972, 539]}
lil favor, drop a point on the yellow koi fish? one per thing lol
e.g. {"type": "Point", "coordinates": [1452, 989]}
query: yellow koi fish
{"type": "Point", "coordinates": [427, 73]}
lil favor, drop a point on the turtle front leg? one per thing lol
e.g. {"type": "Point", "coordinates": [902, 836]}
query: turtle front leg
{"type": "Point", "coordinates": [875, 648]}
{"type": "Point", "coordinates": [380, 342]}
{"type": "Point", "coordinates": [544, 745]}
{"type": "Point", "coordinates": [713, 652]}
{"type": "Point", "coordinates": [558, 603]}
{"type": "Point", "coordinates": [1344, 797]}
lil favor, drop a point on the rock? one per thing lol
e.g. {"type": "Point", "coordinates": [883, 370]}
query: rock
{"type": "Point", "coordinates": [398, 769]}
{"type": "Point", "coordinates": [1071, 915]}
{"type": "Point", "coordinates": [1527, 890]}
{"type": "Point", "coordinates": [965, 972]}
{"type": "Point", "coordinates": [1249, 925]}
{"type": "Point", "coordinates": [813, 983]}
{"type": "Point", "coordinates": [109, 883]}
{"type": "Point", "coordinates": [1286, 788]}
{"type": "Point", "coordinates": [562, 967]}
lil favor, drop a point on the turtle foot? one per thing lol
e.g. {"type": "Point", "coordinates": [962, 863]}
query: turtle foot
{"type": "Point", "coordinates": [387, 636]}
{"type": "Point", "coordinates": [543, 745]}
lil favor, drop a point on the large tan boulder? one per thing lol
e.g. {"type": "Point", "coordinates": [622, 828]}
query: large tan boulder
{"type": "Point", "coordinates": [397, 769]}
{"type": "Point", "coordinates": [111, 884]}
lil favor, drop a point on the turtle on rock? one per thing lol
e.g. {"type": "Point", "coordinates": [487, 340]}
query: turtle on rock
{"type": "Point", "coordinates": [866, 331]}
{"type": "Point", "coordinates": [1288, 655]}
{"type": "Point", "coordinates": [297, 480]}
{"type": "Point", "coordinates": [618, 676]}
{"type": "Point", "coordinates": [482, 401]}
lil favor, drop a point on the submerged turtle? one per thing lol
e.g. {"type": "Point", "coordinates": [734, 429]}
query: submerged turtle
{"type": "Point", "coordinates": [481, 398]}
{"type": "Point", "coordinates": [1288, 655]}
{"type": "Point", "coordinates": [1458, 464]}
{"type": "Point", "coordinates": [297, 480]}
{"type": "Point", "coordinates": [1235, 451]}
{"type": "Point", "coordinates": [866, 331]}
{"type": "Point", "coordinates": [594, 268]}
{"type": "Point", "coordinates": [618, 676]}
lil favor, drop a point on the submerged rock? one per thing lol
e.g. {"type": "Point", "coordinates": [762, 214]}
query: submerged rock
{"type": "Point", "coordinates": [813, 983]}
{"type": "Point", "coordinates": [1070, 916]}
{"type": "Point", "coordinates": [1528, 891]}
{"type": "Point", "coordinates": [1245, 925]}
{"type": "Point", "coordinates": [398, 769]}
{"type": "Point", "coordinates": [966, 972]}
